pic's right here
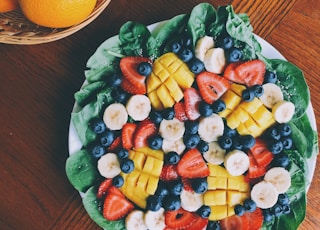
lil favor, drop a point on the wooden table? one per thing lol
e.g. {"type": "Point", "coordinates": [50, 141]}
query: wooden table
{"type": "Point", "coordinates": [37, 86]}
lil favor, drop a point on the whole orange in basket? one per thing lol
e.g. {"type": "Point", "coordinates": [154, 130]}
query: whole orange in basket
{"type": "Point", "coordinates": [8, 5]}
{"type": "Point", "coordinates": [57, 13]}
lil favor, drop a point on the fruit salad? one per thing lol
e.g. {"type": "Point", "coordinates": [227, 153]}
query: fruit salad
{"type": "Point", "coordinates": [190, 126]}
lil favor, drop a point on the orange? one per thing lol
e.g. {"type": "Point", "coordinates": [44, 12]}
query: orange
{"type": "Point", "coordinates": [57, 13]}
{"type": "Point", "coordinates": [8, 5]}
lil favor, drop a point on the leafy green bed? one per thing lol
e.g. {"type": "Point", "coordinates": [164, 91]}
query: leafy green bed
{"type": "Point", "coordinates": [137, 39]}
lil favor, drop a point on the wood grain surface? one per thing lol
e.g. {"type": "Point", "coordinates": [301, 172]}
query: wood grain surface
{"type": "Point", "coordinates": [37, 84]}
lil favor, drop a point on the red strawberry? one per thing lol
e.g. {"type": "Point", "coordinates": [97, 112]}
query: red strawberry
{"type": "Point", "coordinates": [254, 170]}
{"type": "Point", "coordinates": [187, 184]}
{"type": "Point", "coordinates": [252, 72]}
{"type": "Point", "coordinates": [131, 88]}
{"type": "Point", "coordinates": [255, 219]}
{"type": "Point", "coordinates": [192, 165]}
{"type": "Point", "coordinates": [113, 190]}
{"type": "Point", "coordinates": [116, 207]}
{"type": "Point", "coordinates": [145, 129]}
{"type": "Point", "coordinates": [127, 135]}
{"type": "Point", "coordinates": [261, 153]}
{"type": "Point", "coordinates": [199, 223]}
{"type": "Point", "coordinates": [103, 188]}
{"type": "Point", "coordinates": [230, 73]}
{"type": "Point", "coordinates": [191, 103]}
{"type": "Point", "coordinates": [129, 66]}
{"type": "Point", "coordinates": [115, 145]}
{"type": "Point", "coordinates": [235, 223]}
{"type": "Point", "coordinates": [211, 86]}
{"type": "Point", "coordinates": [179, 219]}
{"type": "Point", "coordinates": [179, 111]}
{"type": "Point", "coordinates": [169, 172]}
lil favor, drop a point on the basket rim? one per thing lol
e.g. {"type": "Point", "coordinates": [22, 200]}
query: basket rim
{"type": "Point", "coordinates": [32, 40]}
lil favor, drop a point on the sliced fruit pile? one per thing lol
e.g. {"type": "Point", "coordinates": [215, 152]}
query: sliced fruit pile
{"type": "Point", "coordinates": [193, 140]}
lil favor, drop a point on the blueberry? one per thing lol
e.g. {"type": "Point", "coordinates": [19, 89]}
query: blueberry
{"type": "Point", "coordinates": [226, 42]}
{"type": "Point", "coordinates": [98, 126]}
{"type": "Point", "coordinates": [123, 154]}
{"type": "Point", "coordinates": [97, 151]}
{"type": "Point", "coordinates": [162, 189]}
{"type": "Point", "coordinates": [144, 68]}
{"type": "Point", "coordinates": [285, 129]}
{"type": "Point", "coordinates": [258, 90]}
{"type": "Point", "coordinates": [118, 181]}
{"type": "Point", "coordinates": [247, 141]}
{"type": "Point", "coordinates": [175, 47]}
{"type": "Point", "coordinates": [203, 146]}
{"type": "Point", "coordinates": [155, 142]}
{"type": "Point", "coordinates": [119, 95]}
{"type": "Point", "coordinates": [234, 55]}
{"type": "Point", "coordinates": [185, 55]}
{"type": "Point", "coordinates": [155, 116]}
{"type": "Point", "coordinates": [236, 143]}
{"type": "Point", "coordinates": [270, 77]}
{"type": "Point", "coordinates": [213, 225]}
{"type": "Point", "coordinates": [248, 94]}
{"type": "Point", "coordinates": [204, 211]}
{"type": "Point", "coordinates": [175, 187]}
{"type": "Point", "coordinates": [191, 127]}
{"type": "Point", "coordinates": [268, 217]}
{"type": "Point", "coordinates": [225, 142]}
{"type": "Point", "coordinates": [171, 203]}
{"type": "Point", "coordinates": [273, 133]}
{"type": "Point", "coordinates": [249, 205]}
{"type": "Point", "coordinates": [286, 209]}
{"type": "Point", "coordinates": [171, 158]}
{"type": "Point", "coordinates": [168, 113]}
{"type": "Point", "coordinates": [107, 138]}
{"type": "Point", "coordinates": [276, 210]}
{"type": "Point", "coordinates": [114, 80]}
{"type": "Point", "coordinates": [230, 132]}
{"type": "Point", "coordinates": [218, 106]}
{"type": "Point", "coordinates": [275, 147]}
{"type": "Point", "coordinates": [199, 185]}
{"type": "Point", "coordinates": [239, 210]}
{"type": "Point", "coordinates": [127, 165]}
{"type": "Point", "coordinates": [205, 109]}
{"type": "Point", "coordinates": [281, 160]}
{"type": "Point", "coordinates": [196, 66]}
{"type": "Point", "coordinates": [154, 203]}
{"type": "Point", "coordinates": [186, 40]}
{"type": "Point", "coordinates": [287, 142]}
{"type": "Point", "coordinates": [283, 199]}
{"type": "Point", "coordinates": [191, 140]}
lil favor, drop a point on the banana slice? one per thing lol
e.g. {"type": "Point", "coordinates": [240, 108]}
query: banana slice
{"type": "Point", "coordinates": [210, 128]}
{"type": "Point", "coordinates": [279, 177]}
{"type": "Point", "coordinates": [155, 220]}
{"type": "Point", "coordinates": [138, 107]}
{"type": "Point", "coordinates": [214, 60]}
{"type": "Point", "coordinates": [264, 194]}
{"type": "Point", "coordinates": [191, 201]}
{"type": "Point", "coordinates": [283, 111]}
{"type": "Point", "coordinates": [215, 155]}
{"type": "Point", "coordinates": [115, 116]}
{"type": "Point", "coordinates": [236, 162]}
{"type": "Point", "coordinates": [135, 221]}
{"type": "Point", "coordinates": [109, 166]}
{"type": "Point", "coordinates": [171, 129]}
{"type": "Point", "coordinates": [203, 45]}
{"type": "Point", "coordinates": [271, 95]}
{"type": "Point", "coordinates": [177, 146]}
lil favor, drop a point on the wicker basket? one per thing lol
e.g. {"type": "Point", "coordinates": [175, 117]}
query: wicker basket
{"type": "Point", "coordinates": [16, 29]}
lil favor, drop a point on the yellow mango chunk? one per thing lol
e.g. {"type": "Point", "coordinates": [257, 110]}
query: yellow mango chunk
{"type": "Point", "coordinates": [215, 197]}
{"type": "Point", "coordinates": [237, 88]}
{"type": "Point", "coordinates": [155, 100]}
{"type": "Point", "coordinates": [164, 96]}
{"type": "Point", "coordinates": [218, 212]}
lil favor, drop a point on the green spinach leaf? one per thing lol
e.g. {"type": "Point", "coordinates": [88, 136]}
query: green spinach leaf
{"type": "Point", "coordinates": [88, 92]}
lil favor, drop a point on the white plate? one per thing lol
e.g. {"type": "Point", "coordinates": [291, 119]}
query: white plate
{"type": "Point", "coordinates": [268, 51]}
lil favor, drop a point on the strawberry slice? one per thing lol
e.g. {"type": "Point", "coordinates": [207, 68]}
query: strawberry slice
{"type": "Point", "coordinates": [254, 170]}
{"type": "Point", "coordinates": [145, 129]}
{"type": "Point", "coordinates": [129, 66]}
{"type": "Point", "coordinates": [115, 145]}
{"type": "Point", "coordinates": [116, 207]}
{"type": "Point", "coordinates": [104, 188]}
{"type": "Point", "coordinates": [230, 73]}
{"type": "Point", "coordinates": [191, 103]}
{"type": "Point", "coordinates": [179, 111]}
{"type": "Point", "coordinates": [261, 153]}
{"type": "Point", "coordinates": [115, 191]}
{"type": "Point", "coordinates": [211, 86]}
{"type": "Point", "coordinates": [192, 165]}
{"type": "Point", "coordinates": [169, 173]}
{"type": "Point", "coordinates": [187, 184]}
{"type": "Point", "coordinates": [235, 223]}
{"type": "Point", "coordinates": [199, 223]}
{"type": "Point", "coordinates": [127, 135]}
{"type": "Point", "coordinates": [255, 219]}
{"type": "Point", "coordinates": [179, 219]}
{"type": "Point", "coordinates": [252, 72]}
